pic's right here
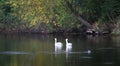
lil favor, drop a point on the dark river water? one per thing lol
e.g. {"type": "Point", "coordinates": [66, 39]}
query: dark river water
{"type": "Point", "coordinates": [40, 50]}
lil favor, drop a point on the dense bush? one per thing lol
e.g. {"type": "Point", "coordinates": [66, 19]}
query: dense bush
{"type": "Point", "coordinates": [54, 15]}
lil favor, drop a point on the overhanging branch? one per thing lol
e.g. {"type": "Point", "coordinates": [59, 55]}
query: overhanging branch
{"type": "Point", "coordinates": [76, 14]}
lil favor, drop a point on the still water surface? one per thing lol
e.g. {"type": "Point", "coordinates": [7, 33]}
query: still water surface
{"type": "Point", "coordinates": [40, 50]}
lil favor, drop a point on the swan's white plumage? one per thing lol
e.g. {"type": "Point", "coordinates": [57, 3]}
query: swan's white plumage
{"type": "Point", "coordinates": [68, 44]}
{"type": "Point", "coordinates": [57, 43]}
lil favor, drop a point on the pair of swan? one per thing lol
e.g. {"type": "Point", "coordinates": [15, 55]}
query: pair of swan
{"type": "Point", "coordinates": [60, 44]}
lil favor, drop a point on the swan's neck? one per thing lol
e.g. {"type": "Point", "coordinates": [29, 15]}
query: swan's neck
{"type": "Point", "coordinates": [66, 42]}
{"type": "Point", "coordinates": [55, 41]}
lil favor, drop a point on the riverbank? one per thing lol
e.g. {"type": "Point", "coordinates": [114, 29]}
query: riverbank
{"type": "Point", "coordinates": [57, 33]}
{"type": "Point", "coordinates": [60, 32]}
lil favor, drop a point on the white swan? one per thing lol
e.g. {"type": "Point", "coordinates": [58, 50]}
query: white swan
{"type": "Point", "coordinates": [57, 43]}
{"type": "Point", "coordinates": [68, 44]}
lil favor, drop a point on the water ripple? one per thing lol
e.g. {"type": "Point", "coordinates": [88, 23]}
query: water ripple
{"type": "Point", "coordinates": [14, 52]}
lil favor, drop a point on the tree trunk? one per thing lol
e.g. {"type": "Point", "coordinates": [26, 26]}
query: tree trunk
{"type": "Point", "coordinates": [76, 14]}
{"type": "Point", "coordinates": [84, 22]}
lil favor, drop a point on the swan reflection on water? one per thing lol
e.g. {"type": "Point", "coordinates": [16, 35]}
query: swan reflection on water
{"type": "Point", "coordinates": [58, 49]}
{"type": "Point", "coordinates": [68, 50]}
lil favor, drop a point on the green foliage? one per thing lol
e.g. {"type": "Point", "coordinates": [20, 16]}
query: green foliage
{"type": "Point", "coordinates": [96, 9]}
{"type": "Point", "coordinates": [25, 15]}
{"type": "Point", "coordinates": [30, 15]}
{"type": "Point", "coordinates": [64, 20]}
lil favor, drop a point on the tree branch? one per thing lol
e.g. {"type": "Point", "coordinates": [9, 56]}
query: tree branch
{"type": "Point", "coordinates": [76, 14]}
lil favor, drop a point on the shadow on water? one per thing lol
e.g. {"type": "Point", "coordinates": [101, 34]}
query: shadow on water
{"type": "Point", "coordinates": [106, 56]}
{"type": "Point", "coordinates": [40, 50]}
